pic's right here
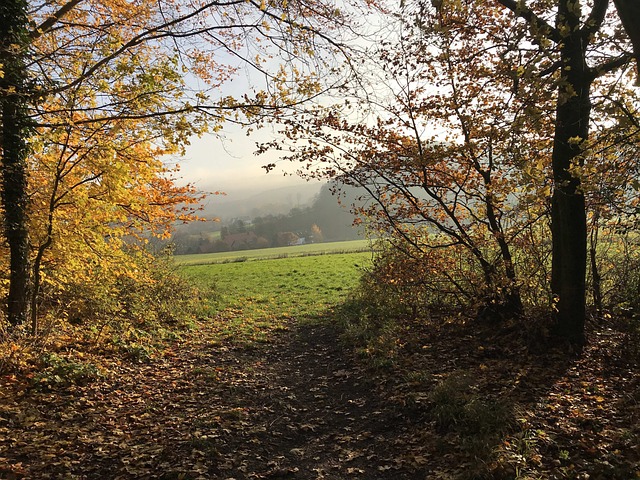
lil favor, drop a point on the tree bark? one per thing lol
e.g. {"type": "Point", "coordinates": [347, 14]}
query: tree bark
{"type": "Point", "coordinates": [568, 215]}
{"type": "Point", "coordinates": [596, 279]}
{"type": "Point", "coordinates": [629, 13]}
{"type": "Point", "coordinates": [13, 138]}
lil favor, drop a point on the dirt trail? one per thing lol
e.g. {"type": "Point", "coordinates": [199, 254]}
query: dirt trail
{"type": "Point", "coordinates": [294, 408]}
{"type": "Point", "coordinates": [299, 407]}
{"type": "Point", "coordinates": [313, 414]}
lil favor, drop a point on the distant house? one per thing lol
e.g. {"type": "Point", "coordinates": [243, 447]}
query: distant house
{"type": "Point", "coordinates": [286, 238]}
{"type": "Point", "coordinates": [299, 241]}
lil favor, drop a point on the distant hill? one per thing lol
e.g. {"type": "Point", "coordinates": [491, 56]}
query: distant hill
{"type": "Point", "coordinates": [247, 204]}
{"type": "Point", "coordinates": [277, 217]}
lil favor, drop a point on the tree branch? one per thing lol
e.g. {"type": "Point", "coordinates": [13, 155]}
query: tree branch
{"type": "Point", "coordinates": [611, 65]}
{"type": "Point", "coordinates": [532, 19]}
{"type": "Point", "coordinates": [53, 19]}
{"type": "Point", "coordinates": [595, 19]}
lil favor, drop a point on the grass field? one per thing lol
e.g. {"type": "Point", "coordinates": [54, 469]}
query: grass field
{"type": "Point", "coordinates": [253, 298]}
{"type": "Point", "coordinates": [278, 252]}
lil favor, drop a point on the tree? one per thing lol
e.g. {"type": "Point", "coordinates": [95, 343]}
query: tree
{"type": "Point", "coordinates": [14, 39]}
{"type": "Point", "coordinates": [584, 51]}
{"type": "Point", "coordinates": [93, 189]}
{"type": "Point", "coordinates": [491, 112]}
{"type": "Point", "coordinates": [460, 194]}
{"type": "Point", "coordinates": [316, 234]}
{"type": "Point", "coordinates": [580, 49]}
{"type": "Point", "coordinates": [80, 70]}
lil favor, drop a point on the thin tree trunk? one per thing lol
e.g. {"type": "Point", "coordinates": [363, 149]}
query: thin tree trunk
{"type": "Point", "coordinates": [596, 279]}
{"type": "Point", "coordinates": [510, 299]}
{"type": "Point", "coordinates": [15, 128]}
{"type": "Point", "coordinates": [36, 285]}
{"type": "Point", "coordinates": [37, 263]}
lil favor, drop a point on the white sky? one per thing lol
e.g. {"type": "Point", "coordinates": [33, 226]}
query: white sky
{"type": "Point", "coordinates": [229, 164]}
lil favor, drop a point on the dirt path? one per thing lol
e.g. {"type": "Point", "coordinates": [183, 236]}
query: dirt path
{"type": "Point", "coordinates": [294, 408]}
{"type": "Point", "coordinates": [313, 415]}
{"type": "Point", "coordinates": [299, 407]}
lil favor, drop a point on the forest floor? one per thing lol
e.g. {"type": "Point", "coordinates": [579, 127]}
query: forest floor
{"type": "Point", "coordinates": [454, 401]}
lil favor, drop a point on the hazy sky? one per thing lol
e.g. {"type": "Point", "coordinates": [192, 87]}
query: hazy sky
{"type": "Point", "coordinates": [229, 164]}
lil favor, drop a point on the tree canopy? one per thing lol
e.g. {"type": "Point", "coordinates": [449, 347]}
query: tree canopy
{"type": "Point", "coordinates": [96, 96]}
{"type": "Point", "coordinates": [481, 129]}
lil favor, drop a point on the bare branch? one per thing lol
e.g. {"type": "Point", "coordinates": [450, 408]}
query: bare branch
{"type": "Point", "coordinates": [53, 19]}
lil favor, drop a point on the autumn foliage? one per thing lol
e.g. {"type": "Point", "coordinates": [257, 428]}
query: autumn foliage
{"type": "Point", "coordinates": [495, 144]}
{"type": "Point", "coordinates": [100, 98]}
{"type": "Point", "coordinates": [458, 132]}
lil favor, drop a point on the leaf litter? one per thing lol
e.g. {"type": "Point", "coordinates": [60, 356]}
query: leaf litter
{"type": "Point", "coordinates": [457, 402]}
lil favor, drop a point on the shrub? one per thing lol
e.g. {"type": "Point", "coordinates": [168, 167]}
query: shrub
{"type": "Point", "coordinates": [480, 422]}
{"type": "Point", "coordinates": [161, 296]}
{"type": "Point", "coordinates": [60, 371]}
{"type": "Point", "coordinates": [370, 325]}
{"type": "Point", "coordinates": [148, 294]}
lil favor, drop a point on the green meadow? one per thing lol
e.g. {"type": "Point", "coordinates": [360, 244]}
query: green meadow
{"type": "Point", "coordinates": [278, 252]}
{"type": "Point", "coordinates": [250, 299]}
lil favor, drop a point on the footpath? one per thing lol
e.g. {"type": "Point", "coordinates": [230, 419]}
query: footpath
{"type": "Point", "coordinates": [300, 406]}
{"type": "Point", "coordinates": [296, 407]}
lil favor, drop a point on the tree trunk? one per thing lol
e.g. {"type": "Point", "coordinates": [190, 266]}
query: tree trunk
{"type": "Point", "coordinates": [568, 215]}
{"type": "Point", "coordinates": [629, 13]}
{"type": "Point", "coordinates": [37, 262]}
{"type": "Point", "coordinates": [568, 268]}
{"type": "Point", "coordinates": [15, 129]}
{"type": "Point", "coordinates": [596, 288]}
{"type": "Point", "coordinates": [511, 299]}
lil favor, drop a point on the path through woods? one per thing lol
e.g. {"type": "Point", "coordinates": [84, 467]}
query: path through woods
{"type": "Point", "coordinates": [301, 407]}
{"type": "Point", "coordinates": [296, 407]}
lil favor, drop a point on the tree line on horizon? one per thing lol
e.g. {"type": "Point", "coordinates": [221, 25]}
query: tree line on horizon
{"type": "Point", "coordinates": [324, 220]}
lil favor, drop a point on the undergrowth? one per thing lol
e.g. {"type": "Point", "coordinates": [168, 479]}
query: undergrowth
{"type": "Point", "coordinates": [56, 370]}
{"type": "Point", "coordinates": [123, 316]}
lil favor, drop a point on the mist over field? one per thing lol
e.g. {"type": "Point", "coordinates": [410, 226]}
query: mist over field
{"type": "Point", "coordinates": [291, 215]}
{"type": "Point", "coordinates": [257, 200]}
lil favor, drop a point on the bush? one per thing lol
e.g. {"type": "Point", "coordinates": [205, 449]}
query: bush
{"type": "Point", "coordinates": [618, 262]}
{"type": "Point", "coordinates": [473, 424]}
{"type": "Point", "coordinates": [60, 371]}
{"type": "Point", "coordinates": [148, 294]}
{"type": "Point", "coordinates": [162, 296]}
{"type": "Point", "coordinates": [480, 422]}
{"type": "Point", "coordinates": [131, 308]}
{"type": "Point", "coordinates": [370, 324]}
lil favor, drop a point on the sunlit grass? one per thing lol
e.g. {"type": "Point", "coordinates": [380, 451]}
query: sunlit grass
{"type": "Point", "coordinates": [278, 252]}
{"type": "Point", "coordinates": [252, 299]}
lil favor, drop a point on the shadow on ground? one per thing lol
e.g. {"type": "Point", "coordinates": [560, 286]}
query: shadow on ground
{"type": "Point", "coordinates": [303, 407]}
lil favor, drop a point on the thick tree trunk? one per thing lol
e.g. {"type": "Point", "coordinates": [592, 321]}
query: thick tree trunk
{"type": "Point", "coordinates": [569, 264]}
{"type": "Point", "coordinates": [568, 215]}
{"type": "Point", "coordinates": [15, 129]}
